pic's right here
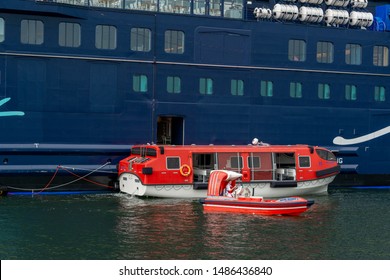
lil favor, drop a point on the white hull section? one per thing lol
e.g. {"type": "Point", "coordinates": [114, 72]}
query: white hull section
{"type": "Point", "coordinates": [131, 184]}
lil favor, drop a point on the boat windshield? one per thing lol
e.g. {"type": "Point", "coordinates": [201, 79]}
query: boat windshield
{"type": "Point", "coordinates": [144, 151]}
{"type": "Point", "coordinates": [327, 155]}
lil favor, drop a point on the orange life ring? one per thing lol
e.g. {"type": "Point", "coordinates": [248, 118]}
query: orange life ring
{"type": "Point", "coordinates": [185, 170]}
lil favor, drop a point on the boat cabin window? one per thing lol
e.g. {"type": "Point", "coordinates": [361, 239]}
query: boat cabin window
{"type": "Point", "coordinates": [173, 162]}
{"type": "Point", "coordinates": [236, 162]}
{"type": "Point", "coordinates": [327, 155]}
{"type": "Point", "coordinates": [254, 162]}
{"type": "Point", "coordinates": [143, 152]}
{"type": "Point", "coordinates": [230, 161]}
{"type": "Point", "coordinates": [304, 161]}
{"type": "Point", "coordinates": [136, 151]}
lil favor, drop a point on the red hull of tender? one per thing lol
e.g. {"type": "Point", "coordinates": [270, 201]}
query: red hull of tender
{"type": "Point", "coordinates": [292, 206]}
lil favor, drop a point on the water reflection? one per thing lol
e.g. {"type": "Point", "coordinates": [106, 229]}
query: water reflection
{"type": "Point", "coordinates": [346, 224]}
{"type": "Point", "coordinates": [178, 229]}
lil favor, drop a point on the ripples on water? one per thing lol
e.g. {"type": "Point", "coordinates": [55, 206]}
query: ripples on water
{"type": "Point", "coordinates": [346, 224]}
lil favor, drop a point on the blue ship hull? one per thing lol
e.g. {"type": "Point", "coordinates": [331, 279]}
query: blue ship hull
{"type": "Point", "coordinates": [78, 102]}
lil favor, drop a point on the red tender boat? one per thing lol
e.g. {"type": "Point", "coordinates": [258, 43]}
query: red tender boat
{"type": "Point", "coordinates": [270, 171]}
{"type": "Point", "coordinates": [220, 200]}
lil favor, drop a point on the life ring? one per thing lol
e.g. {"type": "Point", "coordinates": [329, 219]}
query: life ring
{"type": "Point", "coordinates": [185, 170]}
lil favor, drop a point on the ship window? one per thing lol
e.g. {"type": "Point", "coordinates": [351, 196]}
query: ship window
{"type": "Point", "coordinates": [31, 32]}
{"type": "Point", "coordinates": [199, 7]}
{"type": "Point", "coordinates": [296, 50]}
{"type": "Point", "coordinates": [350, 92]}
{"type": "Point", "coordinates": [232, 9]}
{"type": "Point", "coordinates": [304, 161]}
{"type": "Point", "coordinates": [205, 86]}
{"type": "Point", "coordinates": [69, 34]}
{"type": "Point", "coordinates": [174, 41]}
{"type": "Point", "coordinates": [380, 94]}
{"type": "Point", "coordinates": [325, 52]}
{"type": "Point", "coordinates": [295, 90]}
{"type": "Point", "coordinates": [105, 37]}
{"type": "Point", "coordinates": [323, 91]}
{"type": "Point", "coordinates": [215, 8]}
{"type": "Point", "coordinates": [266, 88]}
{"type": "Point", "coordinates": [173, 162]}
{"type": "Point", "coordinates": [381, 56]}
{"type": "Point", "coordinates": [140, 83]}
{"type": "Point", "coordinates": [353, 54]}
{"type": "Point", "coordinates": [237, 87]}
{"type": "Point", "coordinates": [140, 39]}
{"type": "Point", "coordinates": [175, 6]}
{"type": "Point", "coordinates": [2, 34]}
{"type": "Point", "coordinates": [173, 84]}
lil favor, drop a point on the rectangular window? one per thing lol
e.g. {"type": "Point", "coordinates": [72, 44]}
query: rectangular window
{"type": "Point", "coordinates": [304, 161]}
{"type": "Point", "coordinates": [253, 162]}
{"type": "Point", "coordinates": [232, 9]}
{"type": "Point", "coordinates": [31, 32]}
{"type": "Point", "coordinates": [199, 7]}
{"type": "Point", "coordinates": [69, 35]}
{"type": "Point", "coordinates": [266, 88]}
{"type": "Point", "coordinates": [380, 94]}
{"type": "Point", "coordinates": [2, 30]}
{"type": "Point", "coordinates": [173, 163]}
{"type": "Point", "coordinates": [174, 41]}
{"type": "Point", "coordinates": [353, 54]}
{"type": "Point", "coordinates": [236, 162]}
{"type": "Point", "coordinates": [296, 50]}
{"type": "Point", "coordinates": [295, 90]}
{"type": "Point", "coordinates": [205, 86]}
{"type": "Point", "coordinates": [140, 83]}
{"type": "Point", "coordinates": [323, 91]}
{"type": "Point", "coordinates": [215, 8]}
{"type": "Point", "coordinates": [381, 56]}
{"type": "Point", "coordinates": [325, 52]}
{"type": "Point", "coordinates": [173, 84]}
{"type": "Point", "coordinates": [105, 37]}
{"type": "Point", "coordinates": [237, 87]}
{"type": "Point", "coordinates": [350, 92]}
{"type": "Point", "coordinates": [140, 39]}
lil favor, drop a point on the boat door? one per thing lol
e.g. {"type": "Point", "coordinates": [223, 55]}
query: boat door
{"type": "Point", "coordinates": [170, 130]}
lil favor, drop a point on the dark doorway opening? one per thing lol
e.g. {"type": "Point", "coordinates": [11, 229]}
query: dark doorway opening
{"type": "Point", "coordinates": [170, 130]}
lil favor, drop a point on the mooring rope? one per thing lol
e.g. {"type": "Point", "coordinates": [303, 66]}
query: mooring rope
{"type": "Point", "coordinates": [79, 178]}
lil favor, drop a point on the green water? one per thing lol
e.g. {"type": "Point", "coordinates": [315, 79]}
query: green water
{"type": "Point", "coordinates": [346, 224]}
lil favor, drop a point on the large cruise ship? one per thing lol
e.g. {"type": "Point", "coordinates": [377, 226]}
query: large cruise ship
{"type": "Point", "coordinates": [81, 81]}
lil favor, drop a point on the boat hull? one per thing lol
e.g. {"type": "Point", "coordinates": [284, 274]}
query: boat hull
{"type": "Point", "coordinates": [292, 206]}
{"type": "Point", "coordinates": [38, 168]}
{"type": "Point", "coordinates": [131, 184]}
